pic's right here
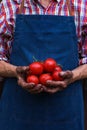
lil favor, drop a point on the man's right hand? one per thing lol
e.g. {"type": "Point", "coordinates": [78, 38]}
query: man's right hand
{"type": "Point", "coordinates": [21, 76]}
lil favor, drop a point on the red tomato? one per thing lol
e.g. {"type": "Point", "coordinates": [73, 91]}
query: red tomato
{"type": "Point", "coordinates": [36, 68]}
{"type": "Point", "coordinates": [58, 68]}
{"type": "Point", "coordinates": [32, 79]}
{"type": "Point", "coordinates": [44, 77]}
{"type": "Point", "coordinates": [56, 76]}
{"type": "Point", "coordinates": [49, 65]}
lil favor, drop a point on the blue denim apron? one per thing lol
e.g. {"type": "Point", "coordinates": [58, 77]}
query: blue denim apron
{"type": "Point", "coordinates": [43, 37]}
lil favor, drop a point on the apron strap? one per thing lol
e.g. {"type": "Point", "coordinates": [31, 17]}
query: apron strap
{"type": "Point", "coordinates": [71, 12]}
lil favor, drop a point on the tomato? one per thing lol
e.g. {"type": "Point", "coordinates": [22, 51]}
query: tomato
{"type": "Point", "coordinates": [58, 68]}
{"type": "Point", "coordinates": [36, 68]}
{"type": "Point", "coordinates": [56, 76]}
{"type": "Point", "coordinates": [32, 79]}
{"type": "Point", "coordinates": [49, 64]}
{"type": "Point", "coordinates": [44, 77]}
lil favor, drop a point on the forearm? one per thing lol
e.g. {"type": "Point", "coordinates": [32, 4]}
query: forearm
{"type": "Point", "coordinates": [7, 70]}
{"type": "Point", "coordinates": [79, 73]}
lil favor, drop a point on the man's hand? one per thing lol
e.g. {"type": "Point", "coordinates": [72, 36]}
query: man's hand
{"type": "Point", "coordinates": [30, 87]}
{"type": "Point", "coordinates": [55, 86]}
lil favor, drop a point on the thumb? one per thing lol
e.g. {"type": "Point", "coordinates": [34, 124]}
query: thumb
{"type": "Point", "coordinates": [66, 74]}
{"type": "Point", "coordinates": [22, 69]}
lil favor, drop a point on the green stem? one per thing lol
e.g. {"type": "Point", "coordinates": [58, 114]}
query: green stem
{"type": "Point", "coordinates": [34, 58]}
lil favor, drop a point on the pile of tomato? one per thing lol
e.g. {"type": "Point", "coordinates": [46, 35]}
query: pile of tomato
{"type": "Point", "coordinates": [40, 72]}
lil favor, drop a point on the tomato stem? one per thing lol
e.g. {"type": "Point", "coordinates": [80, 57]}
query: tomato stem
{"type": "Point", "coordinates": [34, 58]}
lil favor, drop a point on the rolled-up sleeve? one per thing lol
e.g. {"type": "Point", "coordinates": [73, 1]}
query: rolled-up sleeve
{"type": "Point", "coordinates": [83, 45]}
{"type": "Point", "coordinates": [6, 31]}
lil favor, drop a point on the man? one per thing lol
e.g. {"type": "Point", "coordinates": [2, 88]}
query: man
{"type": "Point", "coordinates": [66, 98]}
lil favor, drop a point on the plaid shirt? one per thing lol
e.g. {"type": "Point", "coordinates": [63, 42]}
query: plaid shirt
{"type": "Point", "coordinates": [9, 9]}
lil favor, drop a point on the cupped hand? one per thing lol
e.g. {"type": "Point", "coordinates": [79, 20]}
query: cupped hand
{"type": "Point", "coordinates": [21, 76]}
{"type": "Point", "coordinates": [55, 86]}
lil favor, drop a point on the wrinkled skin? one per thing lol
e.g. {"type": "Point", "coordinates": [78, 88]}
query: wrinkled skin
{"type": "Point", "coordinates": [55, 86]}
{"type": "Point", "coordinates": [52, 86]}
{"type": "Point", "coordinates": [30, 87]}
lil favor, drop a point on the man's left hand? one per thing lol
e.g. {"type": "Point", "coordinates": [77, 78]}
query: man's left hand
{"type": "Point", "coordinates": [55, 86]}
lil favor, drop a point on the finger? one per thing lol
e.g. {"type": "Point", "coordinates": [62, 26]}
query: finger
{"type": "Point", "coordinates": [66, 74]}
{"type": "Point", "coordinates": [55, 84]}
{"type": "Point", "coordinates": [52, 91]}
{"type": "Point", "coordinates": [35, 88]}
{"type": "Point", "coordinates": [21, 69]}
{"type": "Point", "coordinates": [29, 86]}
{"type": "Point", "coordinates": [37, 91]}
{"type": "Point", "coordinates": [24, 84]}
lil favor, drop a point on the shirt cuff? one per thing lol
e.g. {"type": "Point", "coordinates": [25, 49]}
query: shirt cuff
{"type": "Point", "coordinates": [83, 61]}
{"type": "Point", "coordinates": [4, 59]}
